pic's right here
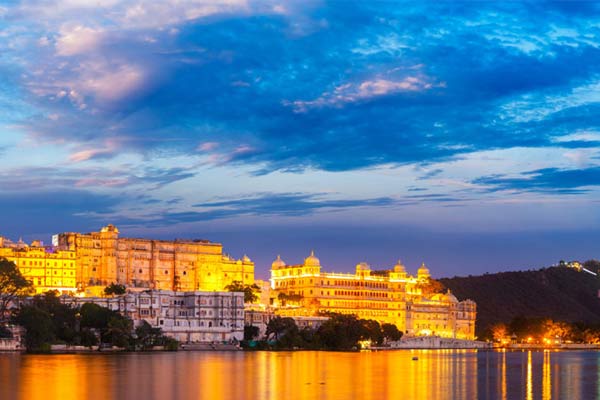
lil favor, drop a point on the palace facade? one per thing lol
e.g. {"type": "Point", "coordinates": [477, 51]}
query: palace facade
{"type": "Point", "coordinates": [48, 268]}
{"type": "Point", "coordinates": [189, 317]}
{"type": "Point", "coordinates": [388, 296]}
{"type": "Point", "coordinates": [77, 261]}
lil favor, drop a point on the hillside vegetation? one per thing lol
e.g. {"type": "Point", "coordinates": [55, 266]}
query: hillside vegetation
{"type": "Point", "coordinates": [557, 293]}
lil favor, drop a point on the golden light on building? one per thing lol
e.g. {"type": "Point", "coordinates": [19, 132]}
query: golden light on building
{"type": "Point", "coordinates": [86, 262]}
{"type": "Point", "coordinates": [47, 268]}
{"type": "Point", "coordinates": [389, 296]}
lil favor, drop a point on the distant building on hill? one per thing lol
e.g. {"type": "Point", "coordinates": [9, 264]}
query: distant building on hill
{"type": "Point", "coordinates": [388, 296]}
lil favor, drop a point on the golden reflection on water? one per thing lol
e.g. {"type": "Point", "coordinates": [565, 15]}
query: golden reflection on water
{"type": "Point", "coordinates": [437, 374]}
{"type": "Point", "coordinates": [546, 377]}
{"type": "Point", "coordinates": [529, 389]}
{"type": "Point", "coordinates": [503, 376]}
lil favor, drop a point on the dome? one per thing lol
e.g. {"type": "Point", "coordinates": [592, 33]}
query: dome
{"type": "Point", "coordinates": [278, 263]}
{"type": "Point", "coordinates": [109, 228]}
{"type": "Point", "coordinates": [447, 297]}
{"type": "Point", "coordinates": [246, 259]}
{"type": "Point", "coordinates": [362, 266]}
{"type": "Point", "coordinates": [399, 267]}
{"type": "Point", "coordinates": [451, 297]}
{"type": "Point", "coordinates": [312, 261]}
{"type": "Point", "coordinates": [423, 271]}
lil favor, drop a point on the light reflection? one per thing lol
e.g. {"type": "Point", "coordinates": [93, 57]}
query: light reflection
{"type": "Point", "coordinates": [439, 374]}
{"type": "Point", "coordinates": [529, 384]}
{"type": "Point", "coordinates": [546, 377]}
{"type": "Point", "coordinates": [503, 376]}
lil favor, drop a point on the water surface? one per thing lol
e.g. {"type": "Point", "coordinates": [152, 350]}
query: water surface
{"type": "Point", "coordinates": [438, 374]}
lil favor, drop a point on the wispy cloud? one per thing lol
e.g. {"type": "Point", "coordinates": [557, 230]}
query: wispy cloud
{"type": "Point", "coordinates": [547, 180]}
{"type": "Point", "coordinates": [365, 90]}
{"type": "Point", "coordinates": [290, 204]}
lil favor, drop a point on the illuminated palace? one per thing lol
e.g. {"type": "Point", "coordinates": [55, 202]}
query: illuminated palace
{"type": "Point", "coordinates": [390, 296]}
{"type": "Point", "coordinates": [76, 261]}
{"type": "Point", "coordinates": [47, 268]}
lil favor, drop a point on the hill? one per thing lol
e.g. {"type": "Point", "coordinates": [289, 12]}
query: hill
{"type": "Point", "coordinates": [558, 293]}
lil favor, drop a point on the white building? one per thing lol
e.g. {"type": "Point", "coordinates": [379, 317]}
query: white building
{"type": "Point", "coordinates": [189, 317]}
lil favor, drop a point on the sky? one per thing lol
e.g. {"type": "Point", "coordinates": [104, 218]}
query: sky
{"type": "Point", "coordinates": [465, 135]}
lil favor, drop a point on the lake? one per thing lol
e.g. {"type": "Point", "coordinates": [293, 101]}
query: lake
{"type": "Point", "coordinates": [437, 374]}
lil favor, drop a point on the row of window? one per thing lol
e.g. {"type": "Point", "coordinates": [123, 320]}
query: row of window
{"type": "Point", "coordinates": [358, 293]}
{"type": "Point", "coordinates": [23, 263]}
{"type": "Point", "coordinates": [357, 304]}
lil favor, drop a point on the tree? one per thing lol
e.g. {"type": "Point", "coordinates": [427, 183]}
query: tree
{"type": "Point", "coordinates": [5, 332]}
{"type": "Point", "coordinates": [371, 331]}
{"type": "Point", "coordinates": [88, 338]}
{"type": "Point", "coordinates": [250, 291]}
{"type": "Point", "coordinates": [64, 317]}
{"type": "Point", "coordinates": [12, 285]}
{"type": "Point", "coordinates": [39, 327]}
{"type": "Point", "coordinates": [113, 327]}
{"type": "Point", "coordinates": [280, 326]}
{"type": "Point", "coordinates": [341, 332]}
{"type": "Point", "coordinates": [391, 332]}
{"type": "Point", "coordinates": [114, 288]}
{"type": "Point", "coordinates": [148, 337]}
{"type": "Point", "coordinates": [95, 316]}
{"type": "Point", "coordinates": [499, 331]}
{"type": "Point", "coordinates": [119, 331]}
{"type": "Point", "coordinates": [251, 332]}
{"type": "Point", "coordinates": [557, 330]}
{"type": "Point", "coordinates": [431, 286]}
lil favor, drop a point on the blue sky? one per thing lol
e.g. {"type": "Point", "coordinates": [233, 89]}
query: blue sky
{"type": "Point", "coordinates": [465, 135]}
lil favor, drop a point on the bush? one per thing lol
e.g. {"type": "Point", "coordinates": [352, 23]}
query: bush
{"type": "Point", "coordinates": [171, 344]}
{"type": "Point", "coordinates": [5, 332]}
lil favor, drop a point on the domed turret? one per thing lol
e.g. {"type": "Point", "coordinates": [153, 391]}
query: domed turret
{"type": "Point", "coordinates": [109, 228]}
{"type": "Point", "coordinates": [312, 260]}
{"type": "Point", "coordinates": [363, 269]}
{"type": "Point", "coordinates": [423, 272]}
{"type": "Point", "coordinates": [362, 266]}
{"type": "Point", "coordinates": [278, 263]}
{"type": "Point", "coordinates": [246, 259]}
{"type": "Point", "coordinates": [399, 267]}
{"type": "Point", "coordinates": [450, 297]}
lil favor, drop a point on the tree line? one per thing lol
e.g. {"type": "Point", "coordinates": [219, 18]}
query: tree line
{"type": "Point", "coordinates": [544, 331]}
{"type": "Point", "coordinates": [339, 332]}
